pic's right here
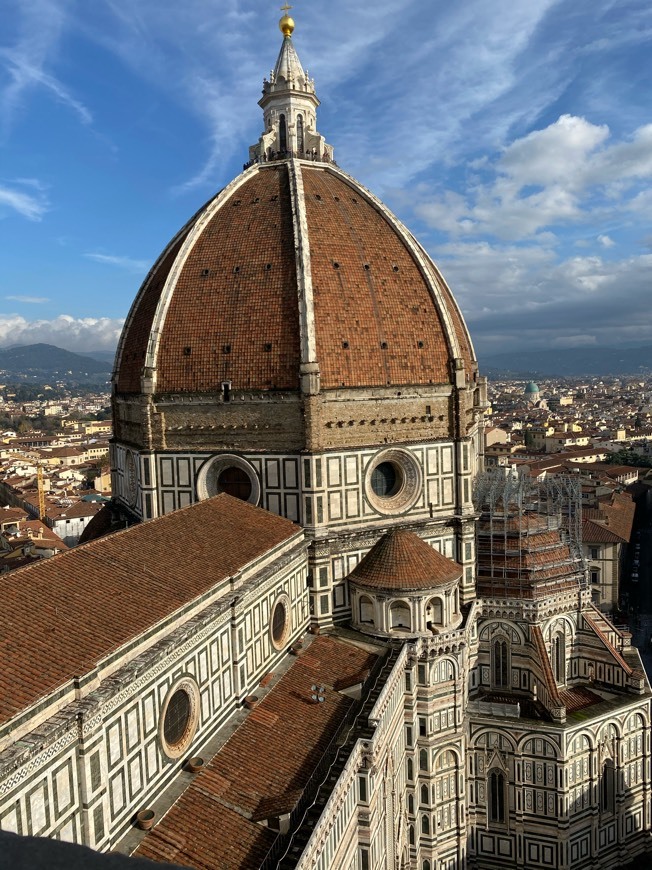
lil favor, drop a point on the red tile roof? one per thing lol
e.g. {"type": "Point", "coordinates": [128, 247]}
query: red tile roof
{"type": "Point", "coordinates": [61, 616]}
{"type": "Point", "coordinates": [369, 290]}
{"type": "Point", "coordinates": [233, 312]}
{"type": "Point", "coordinates": [610, 523]}
{"type": "Point", "coordinates": [402, 560]}
{"type": "Point", "coordinates": [262, 770]}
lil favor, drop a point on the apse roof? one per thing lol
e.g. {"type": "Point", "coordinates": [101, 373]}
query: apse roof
{"type": "Point", "coordinates": [401, 560]}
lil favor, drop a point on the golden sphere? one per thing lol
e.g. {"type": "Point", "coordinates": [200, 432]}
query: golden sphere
{"type": "Point", "coordinates": [286, 25]}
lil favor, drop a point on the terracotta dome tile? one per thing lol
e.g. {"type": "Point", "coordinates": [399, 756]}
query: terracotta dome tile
{"type": "Point", "coordinates": [232, 312]}
{"type": "Point", "coordinates": [402, 560]}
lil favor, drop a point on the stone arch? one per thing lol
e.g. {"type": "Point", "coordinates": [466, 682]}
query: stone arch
{"type": "Point", "coordinates": [587, 736]}
{"type": "Point", "coordinates": [435, 612]}
{"type": "Point", "coordinates": [400, 615]}
{"type": "Point", "coordinates": [513, 632]}
{"type": "Point", "coordinates": [444, 660]}
{"type": "Point", "coordinates": [609, 731]}
{"type": "Point", "coordinates": [486, 738]}
{"type": "Point", "coordinates": [635, 722]}
{"type": "Point", "coordinates": [527, 746]}
{"type": "Point", "coordinates": [440, 757]}
{"type": "Point", "coordinates": [561, 623]}
{"type": "Point", "coordinates": [366, 610]}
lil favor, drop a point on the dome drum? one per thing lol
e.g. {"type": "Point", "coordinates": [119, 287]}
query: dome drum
{"type": "Point", "coordinates": [387, 613]}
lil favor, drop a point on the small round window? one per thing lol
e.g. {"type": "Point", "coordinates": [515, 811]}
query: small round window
{"type": "Point", "coordinates": [393, 481]}
{"type": "Point", "coordinates": [179, 717]}
{"type": "Point", "coordinates": [279, 626]}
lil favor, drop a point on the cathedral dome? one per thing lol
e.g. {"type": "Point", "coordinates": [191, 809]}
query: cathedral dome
{"type": "Point", "coordinates": [295, 315]}
{"type": "Point", "coordinates": [293, 263]}
{"type": "Point", "coordinates": [293, 269]}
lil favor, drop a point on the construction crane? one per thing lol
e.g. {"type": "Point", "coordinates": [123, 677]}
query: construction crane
{"type": "Point", "coordinates": [41, 494]}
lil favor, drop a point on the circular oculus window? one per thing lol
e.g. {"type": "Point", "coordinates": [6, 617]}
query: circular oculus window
{"type": "Point", "coordinates": [179, 717]}
{"type": "Point", "coordinates": [231, 474]}
{"type": "Point", "coordinates": [279, 624]}
{"type": "Point", "coordinates": [393, 481]}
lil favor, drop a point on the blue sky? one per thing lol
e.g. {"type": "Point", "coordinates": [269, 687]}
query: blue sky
{"type": "Point", "coordinates": [514, 137]}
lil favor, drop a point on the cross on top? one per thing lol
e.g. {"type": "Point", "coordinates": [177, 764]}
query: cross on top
{"type": "Point", "coordinates": [286, 8]}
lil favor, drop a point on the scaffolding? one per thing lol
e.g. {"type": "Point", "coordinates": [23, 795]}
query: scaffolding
{"type": "Point", "coordinates": [529, 531]}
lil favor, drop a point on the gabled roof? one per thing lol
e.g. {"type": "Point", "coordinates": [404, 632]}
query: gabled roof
{"type": "Point", "coordinates": [611, 522]}
{"type": "Point", "coordinates": [402, 560]}
{"type": "Point", "coordinates": [62, 616]}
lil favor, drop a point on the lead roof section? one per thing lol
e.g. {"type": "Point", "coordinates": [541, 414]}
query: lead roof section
{"type": "Point", "coordinates": [60, 618]}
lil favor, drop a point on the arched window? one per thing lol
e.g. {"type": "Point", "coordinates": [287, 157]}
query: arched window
{"type": "Point", "coordinates": [559, 658]}
{"type": "Point", "coordinates": [400, 616]}
{"type": "Point", "coordinates": [366, 610]}
{"type": "Point", "coordinates": [425, 825]}
{"type": "Point", "coordinates": [496, 796]}
{"type": "Point", "coordinates": [411, 834]}
{"type": "Point", "coordinates": [434, 613]}
{"type": "Point", "coordinates": [500, 663]}
{"type": "Point", "coordinates": [282, 134]}
{"type": "Point", "coordinates": [411, 804]}
{"type": "Point", "coordinates": [608, 787]}
{"type": "Point", "coordinates": [425, 795]}
{"type": "Point", "coordinates": [410, 770]}
{"type": "Point", "coordinates": [425, 865]}
{"type": "Point", "coordinates": [423, 760]}
{"type": "Point", "coordinates": [300, 142]}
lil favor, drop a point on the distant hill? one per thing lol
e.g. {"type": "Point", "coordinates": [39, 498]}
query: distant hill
{"type": "Point", "coordinates": [104, 356]}
{"type": "Point", "coordinates": [38, 362]}
{"type": "Point", "coordinates": [596, 361]}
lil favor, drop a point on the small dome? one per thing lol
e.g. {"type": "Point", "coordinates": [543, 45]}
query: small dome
{"type": "Point", "coordinates": [530, 388]}
{"type": "Point", "coordinates": [401, 560]}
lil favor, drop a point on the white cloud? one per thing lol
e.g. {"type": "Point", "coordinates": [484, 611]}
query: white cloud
{"type": "Point", "coordinates": [552, 156]}
{"type": "Point", "coordinates": [121, 262]}
{"type": "Point", "coordinates": [31, 300]}
{"type": "Point", "coordinates": [70, 333]}
{"type": "Point", "coordinates": [527, 296]}
{"type": "Point", "coordinates": [569, 173]}
{"type": "Point", "coordinates": [41, 24]}
{"type": "Point", "coordinates": [29, 205]}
